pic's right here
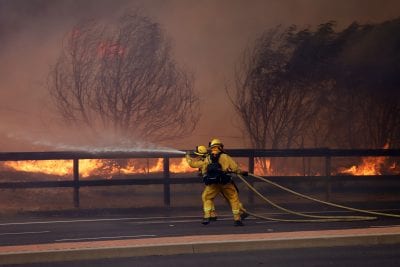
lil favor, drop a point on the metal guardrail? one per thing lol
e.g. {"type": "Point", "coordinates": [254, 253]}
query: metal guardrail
{"type": "Point", "coordinates": [165, 180]}
{"type": "Point", "coordinates": [316, 152]}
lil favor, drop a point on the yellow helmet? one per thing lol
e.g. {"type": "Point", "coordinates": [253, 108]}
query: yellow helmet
{"type": "Point", "coordinates": [200, 150]}
{"type": "Point", "coordinates": [215, 142]}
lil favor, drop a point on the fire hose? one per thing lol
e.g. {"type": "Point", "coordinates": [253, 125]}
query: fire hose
{"type": "Point", "coordinates": [312, 218]}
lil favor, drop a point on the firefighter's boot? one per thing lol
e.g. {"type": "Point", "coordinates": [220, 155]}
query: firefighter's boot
{"type": "Point", "coordinates": [244, 215]}
{"type": "Point", "coordinates": [205, 221]}
{"type": "Point", "coordinates": [213, 216]}
{"type": "Point", "coordinates": [238, 223]}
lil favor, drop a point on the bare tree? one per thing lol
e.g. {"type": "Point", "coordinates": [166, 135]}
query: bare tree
{"type": "Point", "coordinates": [121, 79]}
{"type": "Point", "coordinates": [275, 112]}
{"type": "Point", "coordinates": [365, 99]}
{"type": "Point", "coordinates": [321, 88]}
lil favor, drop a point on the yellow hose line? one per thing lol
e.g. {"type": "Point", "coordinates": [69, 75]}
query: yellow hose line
{"type": "Point", "coordinates": [321, 201]}
{"type": "Point", "coordinates": [316, 217]}
{"type": "Point", "coordinates": [303, 220]}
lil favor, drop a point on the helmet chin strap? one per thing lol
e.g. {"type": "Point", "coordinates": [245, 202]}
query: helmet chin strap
{"type": "Point", "coordinates": [215, 151]}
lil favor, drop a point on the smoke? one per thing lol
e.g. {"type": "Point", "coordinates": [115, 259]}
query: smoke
{"type": "Point", "coordinates": [208, 37]}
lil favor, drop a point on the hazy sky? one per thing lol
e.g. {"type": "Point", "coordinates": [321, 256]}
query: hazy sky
{"type": "Point", "coordinates": [208, 37]}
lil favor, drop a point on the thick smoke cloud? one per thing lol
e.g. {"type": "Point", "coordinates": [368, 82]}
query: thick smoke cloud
{"type": "Point", "coordinates": [208, 37]}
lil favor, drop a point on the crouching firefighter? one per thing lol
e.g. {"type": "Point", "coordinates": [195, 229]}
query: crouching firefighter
{"type": "Point", "coordinates": [200, 161]}
{"type": "Point", "coordinates": [220, 166]}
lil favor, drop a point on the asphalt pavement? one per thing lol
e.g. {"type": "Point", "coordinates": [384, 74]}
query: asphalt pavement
{"type": "Point", "coordinates": [79, 237]}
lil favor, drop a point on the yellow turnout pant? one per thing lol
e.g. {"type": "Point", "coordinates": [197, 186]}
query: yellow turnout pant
{"type": "Point", "coordinates": [230, 193]}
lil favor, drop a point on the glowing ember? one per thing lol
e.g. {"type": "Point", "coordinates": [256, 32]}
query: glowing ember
{"type": "Point", "coordinates": [106, 49]}
{"type": "Point", "coordinates": [393, 167]}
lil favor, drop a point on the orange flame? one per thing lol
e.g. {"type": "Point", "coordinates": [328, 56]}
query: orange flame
{"type": "Point", "coordinates": [369, 166]}
{"type": "Point", "coordinates": [95, 167]}
{"type": "Point", "coordinates": [262, 167]}
{"type": "Point", "coordinates": [110, 168]}
{"type": "Point", "coordinates": [52, 167]}
{"type": "Point", "coordinates": [181, 167]}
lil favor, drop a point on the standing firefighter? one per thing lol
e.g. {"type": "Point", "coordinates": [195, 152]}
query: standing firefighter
{"type": "Point", "coordinates": [201, 162]}
{"type": "Point", "coordinates": [220, 166]}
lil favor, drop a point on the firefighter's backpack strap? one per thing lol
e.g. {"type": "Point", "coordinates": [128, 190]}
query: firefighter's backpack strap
{"type": "Point", "coordinates": [215, 174]}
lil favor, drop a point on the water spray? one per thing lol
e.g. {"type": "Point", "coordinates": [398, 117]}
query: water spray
{"type": "Point", "coordinates": [122, 145]}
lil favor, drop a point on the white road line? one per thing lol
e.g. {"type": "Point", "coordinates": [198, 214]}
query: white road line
{"type": "Point", "coordinates": [151, 218]}
{"type": "Point", "coordinates": [103, 237]}
{"type": "Point", "coordinates": [169, 221]}
{"type": "Point", "coordinates": [94, 220]}
{"type": "Point", "coordinates": [113, 219]}
{"type": "Point", "coordinates": [25, 233]}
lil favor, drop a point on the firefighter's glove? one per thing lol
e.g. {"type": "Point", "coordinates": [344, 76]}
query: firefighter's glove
{"type": "Point", "coordinates": [244, 173]}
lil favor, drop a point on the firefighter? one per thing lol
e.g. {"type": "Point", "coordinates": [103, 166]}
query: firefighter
{"type": "Point", "coordinates": [201, 162]}
{"type": "Point", "coordinates": [218, 170]}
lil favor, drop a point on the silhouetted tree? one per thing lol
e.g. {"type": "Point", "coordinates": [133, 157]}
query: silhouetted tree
{"type": "Point", "coordinates": [321, 87]}
{"type": "Point", "coordinates": [368, 85]}
{"type": "Point", "coordinates": [275, 111]}
{"type": "Point", "coordinates": [122, 80]}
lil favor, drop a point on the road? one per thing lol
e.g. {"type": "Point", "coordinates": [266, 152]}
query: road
{"type": "Point", "coordinates": [58, 232]}
{"type": "Point", "coordinates": [41, 230]}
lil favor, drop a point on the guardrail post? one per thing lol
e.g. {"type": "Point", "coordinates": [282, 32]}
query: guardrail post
{"type": "Point", "coordinates": [328, 177]}
{"type": "Point", "coordinates": [167, 193]}
{"type": "Point", "coordinates": [76, 182]}
{"type": "Point", "coordinates": [250, 196]}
